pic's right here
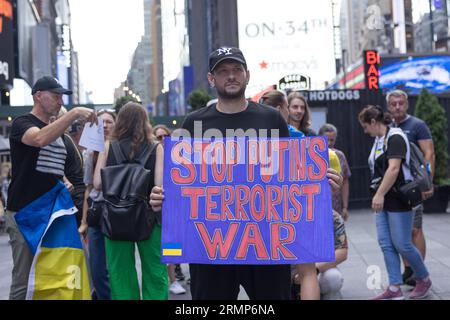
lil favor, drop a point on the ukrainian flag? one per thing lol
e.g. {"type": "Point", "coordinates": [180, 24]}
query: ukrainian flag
{"type": "Point", "coordinates": [59, 270]}
{"type": "Point", "coordinates": [172, 249]}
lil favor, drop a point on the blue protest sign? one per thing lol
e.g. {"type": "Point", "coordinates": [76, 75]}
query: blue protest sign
{"type": "Point", "coordinates": [247, 201]}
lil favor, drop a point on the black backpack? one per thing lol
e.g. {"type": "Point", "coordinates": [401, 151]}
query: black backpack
{"type": "Point", "coordinates": [419, 179]}
{"type": "Point", "coordinates": [127, 215]}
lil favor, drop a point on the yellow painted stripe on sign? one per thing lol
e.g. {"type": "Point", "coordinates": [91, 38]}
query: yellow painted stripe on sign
{"type": "Point", "coordinates": [171, 252]}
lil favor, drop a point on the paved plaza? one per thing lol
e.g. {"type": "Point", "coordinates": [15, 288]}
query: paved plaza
{"type": "Point", "coordinates": [360, 269]}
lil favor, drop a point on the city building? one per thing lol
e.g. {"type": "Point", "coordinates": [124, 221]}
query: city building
{"type": "Point", "coordinates": [431, 30]}
{"type": "Point", "coordinates": [411, 36]}
{"type": "Point", "coordinates": [145, 77]}
{"type": "Point", "coordinates": [211, 24]}
{"type": "Point", "coordinates": [43, 47]}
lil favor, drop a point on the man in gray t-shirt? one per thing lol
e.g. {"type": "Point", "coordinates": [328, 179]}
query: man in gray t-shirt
{"type": "Point", "coordinates": [418, 133]}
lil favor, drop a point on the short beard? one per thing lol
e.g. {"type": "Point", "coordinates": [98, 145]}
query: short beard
{"type": "Point", "coordinates": [223, 95]}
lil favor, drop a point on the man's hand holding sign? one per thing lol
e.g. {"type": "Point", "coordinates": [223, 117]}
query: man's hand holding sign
{"type": "Point", "coordinates": [247, 201]}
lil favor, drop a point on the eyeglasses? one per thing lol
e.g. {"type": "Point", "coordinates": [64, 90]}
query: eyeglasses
{"type": "Point", "coordinates": [161, 137]}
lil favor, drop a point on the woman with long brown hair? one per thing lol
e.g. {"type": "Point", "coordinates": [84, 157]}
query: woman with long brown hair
{"type": "Point", "coordinates": [133, 134]}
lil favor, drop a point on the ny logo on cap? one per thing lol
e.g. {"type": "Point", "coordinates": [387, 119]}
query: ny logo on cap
{"type": "Point", "coordinates": [224, 50]}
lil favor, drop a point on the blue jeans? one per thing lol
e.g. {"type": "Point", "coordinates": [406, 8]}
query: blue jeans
{"type": "Point", "coordinates": [394, 231]}
{"type": "Point", "coordinates": [97, 263]}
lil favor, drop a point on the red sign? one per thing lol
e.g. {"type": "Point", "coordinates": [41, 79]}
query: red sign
{"type": "Point", "coordinates": [371, 69]}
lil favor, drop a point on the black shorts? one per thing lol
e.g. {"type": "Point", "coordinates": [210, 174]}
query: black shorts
{"type": "Point", "coordinates": [221, 282]}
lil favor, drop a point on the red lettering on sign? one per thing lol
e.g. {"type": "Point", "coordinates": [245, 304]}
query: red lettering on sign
{"type": "Point", "coordinates": [232, 148]}
{"type": "Point", "coordinates": [267, 161]}
{"type": "Point", "coordinates": [278, 244]}
{"type": "Point", "coordinates": [296, 213]}
{"type": "Point", "coordinates": [242, 196]}
{"type": "Point", "coordinates": [272, 214]}
{"type": "Point", "coordinates": [210, 204]}
{"type": "Point", "coordinates": [371, 68]}
{"type": "Point", "coordinates": [309, 190]}
{"type": "Point", "coordinates": [202, 149]}
{"type": "Point", "coordinates": [219, 161]}
{"type": "Point", "coordinates": [298, 165]}
{"type": "Point", "coordinates": [281, 146]}
{"type": "Point", "coordinates": [252, 237]}
{"type": "Point", "coordinates": [373, 71]}
{"type": "Point", "coordinates": [372, 57]}
{"type": "Point", "coordinates": [373, 83]}
{"type": "Point", "coordinates": [257, 215]}
{"type": "Point", "coordinates": [177, 157]}
{"type": "Point", "coordinates": [217, 243]}
{"type": "Point", "coordinates": [253, 159]}
{"type": "Point", "coordinates": [194, 193]}
{"type": "Point", "coordinates": [317, 145]}
{"type": "Point", "coordinates": [226, 201]}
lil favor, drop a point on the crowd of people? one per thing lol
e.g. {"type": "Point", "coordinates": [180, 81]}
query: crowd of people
{"type": "Point", "coordinates": [45, 150]}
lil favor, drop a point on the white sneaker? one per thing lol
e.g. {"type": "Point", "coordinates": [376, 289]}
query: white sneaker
{"type": "Point", "coordinates": [176, 288]}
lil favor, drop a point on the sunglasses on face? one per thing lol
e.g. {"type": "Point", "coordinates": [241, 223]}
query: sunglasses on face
{"type": "Point", "coordinates": [161, 137]}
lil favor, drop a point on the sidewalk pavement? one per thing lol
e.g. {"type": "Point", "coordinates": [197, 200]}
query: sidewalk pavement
{"type": "Point", "coordinates": [360, 269]}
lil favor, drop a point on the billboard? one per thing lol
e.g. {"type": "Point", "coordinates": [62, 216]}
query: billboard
{"type": "Point", "coordinates": [175, 98]}
{"type": "Point", "coordinates": [289, 37]}
{"type": "Point", "coordinates": [26, 22]}
{"type": "Point", "coordinates": [62, 71]}
{"type": "Point", "coordinates": [412, 74]}
{"type": "Point", "coordinates": [6, 44]}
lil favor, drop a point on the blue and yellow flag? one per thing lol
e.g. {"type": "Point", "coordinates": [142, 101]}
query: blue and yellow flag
{"type": "Point", "coordinates": [59, 270]}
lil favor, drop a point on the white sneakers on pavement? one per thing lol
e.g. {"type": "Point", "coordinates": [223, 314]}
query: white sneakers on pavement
{"type": "Point", "coordinates": [176, 288]}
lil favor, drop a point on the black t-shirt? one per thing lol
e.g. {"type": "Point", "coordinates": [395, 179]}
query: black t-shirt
{"type": "Point", "coordinates": [395, 149]}
{"type": "Point", "coordinates": [73, 170]}
{"type": "Point", "coordinates": [35, 171]}
{"type": "Point", "coordinates": [256, 116]}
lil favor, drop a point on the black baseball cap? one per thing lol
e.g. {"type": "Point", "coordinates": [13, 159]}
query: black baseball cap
{"type": "Point", "coordinates": [224, 53]}
{"type": "Point", "coordinates": [48, 83]}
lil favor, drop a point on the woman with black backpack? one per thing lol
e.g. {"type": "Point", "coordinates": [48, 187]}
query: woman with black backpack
{"type": "Point", "coordinates": [126, 172]}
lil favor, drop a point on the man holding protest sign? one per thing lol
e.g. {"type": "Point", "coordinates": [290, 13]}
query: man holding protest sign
{"type": "Point", "coordinates": [233, 116]}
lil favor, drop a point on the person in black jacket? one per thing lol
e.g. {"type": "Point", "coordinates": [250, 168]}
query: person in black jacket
{"type": "Point", "coordinates": [232, 113]}
{"type": "Point", "coordinates": [73, 170]}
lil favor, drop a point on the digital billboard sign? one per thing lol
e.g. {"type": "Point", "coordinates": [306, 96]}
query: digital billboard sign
{"type": "Point", "coordinates": [412, 74]}
{"type": "Point", "coordinates": [6, 44]}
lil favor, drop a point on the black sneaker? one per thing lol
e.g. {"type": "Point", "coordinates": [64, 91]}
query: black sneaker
{"type": "Point", "coordinates": [178, 273]}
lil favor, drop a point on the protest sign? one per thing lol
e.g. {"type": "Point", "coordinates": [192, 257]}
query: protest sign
{"type": "Point", "coordinates": [92, 137]}
{"type": "Point", "coordinates": [247, 201]}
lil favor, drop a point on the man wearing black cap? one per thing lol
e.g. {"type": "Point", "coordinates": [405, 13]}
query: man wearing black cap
{"type": "Point", "coordinates": [233, 116]}
{"type": "Point", "coordinates": [38, 155]}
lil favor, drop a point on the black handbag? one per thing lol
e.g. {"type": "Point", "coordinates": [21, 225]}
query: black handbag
{"type": "Point", "coordinates": [94, 212]}
{"type": "Point", "coordinates": [410, 193]}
